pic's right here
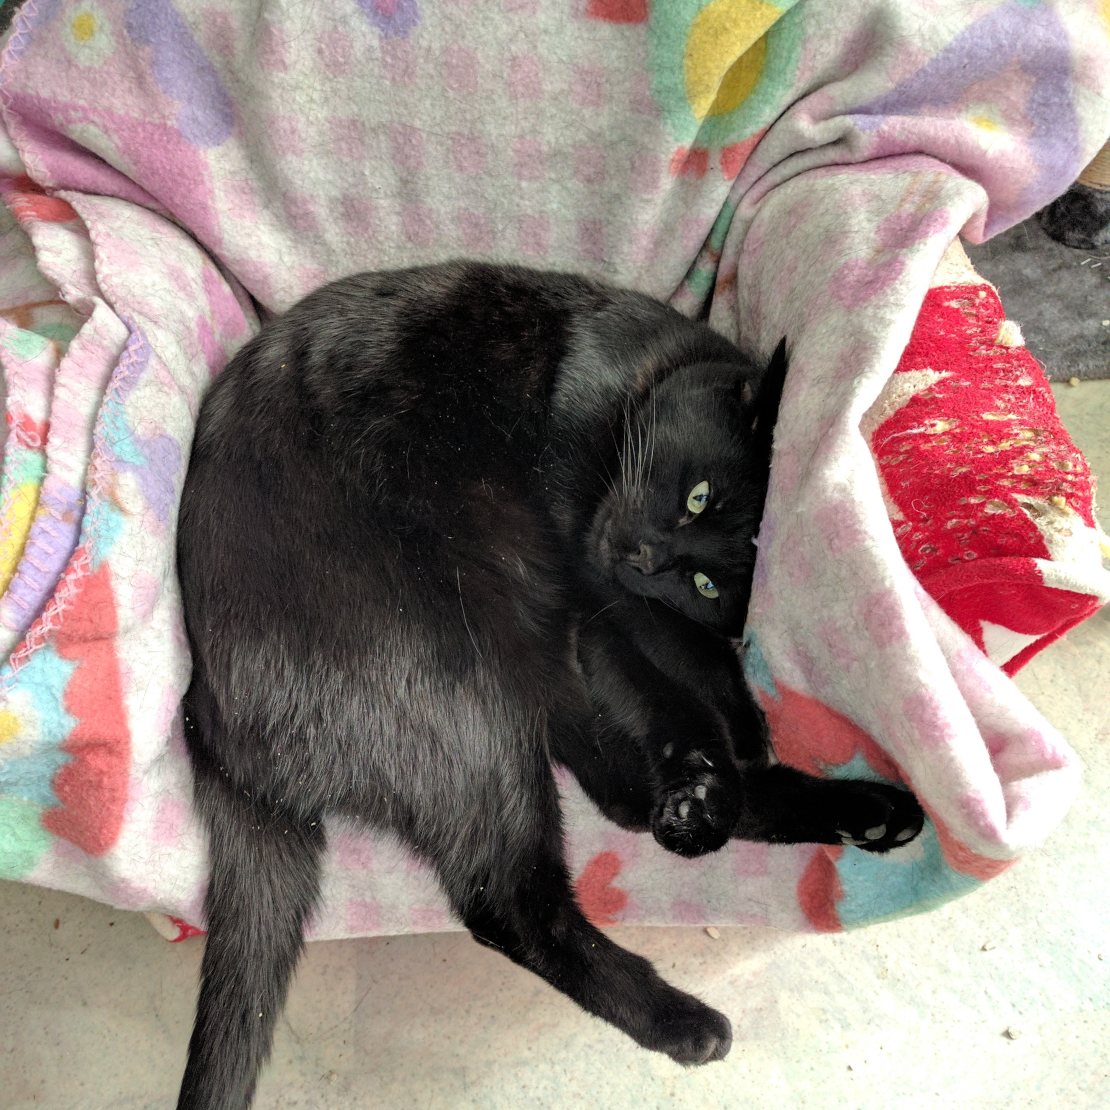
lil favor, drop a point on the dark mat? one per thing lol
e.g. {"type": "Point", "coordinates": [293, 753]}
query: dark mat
{"type": "Point", "coordinates": [8, 8]}
{"type": "Point", "coordinates": [1058, 295]}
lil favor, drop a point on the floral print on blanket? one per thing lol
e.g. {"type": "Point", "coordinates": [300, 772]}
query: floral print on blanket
{"type": "Point", "coordinates": [778, 167]}
{"type": "Point", "coordinates": [720, 67]}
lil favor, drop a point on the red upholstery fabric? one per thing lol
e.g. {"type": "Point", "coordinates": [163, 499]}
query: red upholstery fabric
{"type": "Point", "coordinates": [974, 464]}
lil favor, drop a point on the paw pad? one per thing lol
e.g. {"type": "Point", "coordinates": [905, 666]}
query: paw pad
{"type": "Point", "coordinates": [696, 814]}
{"type": "Point", "coordinates": [876, 817]}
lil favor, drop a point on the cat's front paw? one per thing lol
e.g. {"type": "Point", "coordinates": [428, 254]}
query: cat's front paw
{"type": "Point", "coordinates": [876, 817]}
{"type": "Point", "coordinates": [697, 812]}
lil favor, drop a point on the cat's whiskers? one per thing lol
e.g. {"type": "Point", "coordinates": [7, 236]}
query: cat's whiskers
{"type": "Point", "coordinates": [638, 456]}
{"type": "Point", "coordinates": [600, 611]}
{"type": "Point", "coordinates": [634, 458]}
{"type": "Point", "coordinates": [628, 456]}
{"type": "Point", "coordinates": [642, 469]}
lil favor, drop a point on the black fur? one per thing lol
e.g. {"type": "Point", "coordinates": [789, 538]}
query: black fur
{"type": "Point", "coordinates": [409, 499]}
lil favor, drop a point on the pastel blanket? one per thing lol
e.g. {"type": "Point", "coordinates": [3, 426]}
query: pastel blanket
{"type": "Point", "coordinates": [173, 167]}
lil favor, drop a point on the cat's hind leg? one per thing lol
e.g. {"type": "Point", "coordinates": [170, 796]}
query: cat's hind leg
{"type": "Point", "coordinates": [526, 910]}
{"type": "Point", "coordinates": [265, 874]}
{"type": "Point", "coordinates": [488, 820]}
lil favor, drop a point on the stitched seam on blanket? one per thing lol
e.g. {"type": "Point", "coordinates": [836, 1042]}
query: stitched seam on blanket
{"type": "Point", "coordinates": [62, 596]}
{"type": "Point", "coordinates": [20, 37]}
{"type": "Point", "coordinates": [96, 488]}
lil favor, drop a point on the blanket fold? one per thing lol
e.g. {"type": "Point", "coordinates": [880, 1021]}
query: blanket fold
{"type": "Point", "coordinates": [797, 169]}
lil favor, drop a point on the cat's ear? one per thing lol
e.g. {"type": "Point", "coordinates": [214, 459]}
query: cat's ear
{"type": "Point", "coordinates": [764, 409]}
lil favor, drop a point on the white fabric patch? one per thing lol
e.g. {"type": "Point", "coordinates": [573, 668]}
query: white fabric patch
{"type": "Point", "coordinates": [1002, 643]}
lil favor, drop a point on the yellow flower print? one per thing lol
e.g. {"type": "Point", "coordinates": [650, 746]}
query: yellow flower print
{"type": "Point", "coordinates": [13, 537]}
{"type": "Point", "coordinates": [88, 35]}
{"type": "Point", "coordinates": [725, 51]}
{"type": "Point", "coordinates": [719, 67]}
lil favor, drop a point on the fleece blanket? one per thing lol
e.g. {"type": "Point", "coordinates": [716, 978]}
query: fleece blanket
{"type": "Point", "coordinates": [174, 168]}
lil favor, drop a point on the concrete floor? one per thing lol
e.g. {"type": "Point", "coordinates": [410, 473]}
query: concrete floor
{"type": "Point", "coordinates": [1060, 295]}
{"type": "Point", "coordinates": [95, 1009]}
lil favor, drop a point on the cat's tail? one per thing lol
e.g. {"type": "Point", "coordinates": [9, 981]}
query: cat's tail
{"type": "Point", "coordinates": [264, 885]}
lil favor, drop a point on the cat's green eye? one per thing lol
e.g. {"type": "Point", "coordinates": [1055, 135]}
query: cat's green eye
{"type": "Point", "coordinates": [704, 586]}
{"type": "Point", "coordinates": [698, 499]}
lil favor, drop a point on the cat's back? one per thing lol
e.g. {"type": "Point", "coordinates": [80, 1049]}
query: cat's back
{"type": "Point", "coordinates": [454, 363]}
{"type": "Point", "coordinates": [377, 439]}
{"type": "Point", "coordinates": [360, 537]}
{"type": "Point", "coordinates": [421, 400]}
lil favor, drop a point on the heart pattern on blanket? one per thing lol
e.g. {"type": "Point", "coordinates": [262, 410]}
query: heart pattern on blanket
{"type": "Point", "coordinates": [726, 155]}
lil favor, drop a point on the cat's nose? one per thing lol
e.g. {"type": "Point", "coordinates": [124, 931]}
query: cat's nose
{"type": "Point", "coordinates": [646, 560]}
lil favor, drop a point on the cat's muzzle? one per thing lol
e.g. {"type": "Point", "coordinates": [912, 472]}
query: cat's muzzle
{"type": "Point", "coordinates": [648, 558]}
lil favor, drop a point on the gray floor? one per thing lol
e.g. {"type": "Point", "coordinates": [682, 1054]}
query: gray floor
{"type": "Point", "coordinates": [1060, 295]}
{"type": "Point", "coordinates": [95, 1008]}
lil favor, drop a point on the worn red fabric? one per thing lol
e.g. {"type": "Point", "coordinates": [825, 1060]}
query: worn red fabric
{"type": "Point", "coordinates": [971, 461]}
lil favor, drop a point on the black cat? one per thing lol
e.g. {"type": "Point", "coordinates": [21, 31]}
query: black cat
{"type": "Point", "coordinates": [430, 515]}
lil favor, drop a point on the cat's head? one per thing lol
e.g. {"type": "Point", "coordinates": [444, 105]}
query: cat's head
{"type": "Point", "coordinates": [677, 523]}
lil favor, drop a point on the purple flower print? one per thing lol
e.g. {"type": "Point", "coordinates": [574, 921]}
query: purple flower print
{"type": "Point", "coordinates": [1012, 35]}
{"type": "Point", "coordinates": [182, 72]}
{"type": "Point", "coordinates": [394, 18]}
